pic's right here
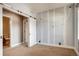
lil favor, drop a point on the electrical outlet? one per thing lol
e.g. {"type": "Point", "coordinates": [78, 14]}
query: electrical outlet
{"type": "Point", "coordinates": [39, 41]}
{"type": "Point", "coordinates": [59, 43]}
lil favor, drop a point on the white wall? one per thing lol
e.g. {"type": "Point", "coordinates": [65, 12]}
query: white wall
{"type": "Point", "coordinates": [78, 23]}
{"type": "Point", "coordinates": [15, 28]}
{"type": "Point", "coordinates": [54, 26]}
{"type": "Point", "coordinates": [69, 40]}
{"type": "Point", "coordinates": [59, 25]}
{"type": "Point", "coordinates": [78, 28]}
{"type": "Point", "coordinates": [1, 32]}
{"type": "Point", "coordinates": [50, 26]}
{"type": "Point", "coordinates": [75, 27]}
{"type": "Point", "coordinates": [44, 27]}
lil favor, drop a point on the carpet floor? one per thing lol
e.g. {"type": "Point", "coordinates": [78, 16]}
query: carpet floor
{"type": "Point", "coordinates": [38, 50]}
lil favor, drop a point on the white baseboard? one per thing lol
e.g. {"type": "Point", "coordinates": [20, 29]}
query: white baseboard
{"type": "Point", "coordinates": [76, 51]}
{"type": "Point", "coordinates": [32, 44]}
{"type": "Point", "coordinates": [63, 46]}
{"type": "Point", "coordinates": [1, 54]}
{"type": "Point", "coordinates": [16, 45]}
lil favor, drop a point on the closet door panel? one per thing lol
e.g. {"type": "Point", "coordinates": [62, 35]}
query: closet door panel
{"type": "Point", "coordinates": [51, 27]}
{"type": "Point", "coordinates": [69, 27]}
{"type": "Point", "coordinates": [38, 28]}
{"type": "Point", "coordinates": [44, 27]}
{"type": "Point", "coordinates": [59, 26]}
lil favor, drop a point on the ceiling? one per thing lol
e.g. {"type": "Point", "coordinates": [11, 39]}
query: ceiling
{"type": "Point", "coordinates": [39, 7]}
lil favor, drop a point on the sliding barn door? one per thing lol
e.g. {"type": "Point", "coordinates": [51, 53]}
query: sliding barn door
{"type": "Point", "coordinates": [1, 42]}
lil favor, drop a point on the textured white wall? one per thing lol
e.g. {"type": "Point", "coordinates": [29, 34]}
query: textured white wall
{"type": "Point", "coordinates": [78, 23]}
{"type": "Point", "coordinates": [38, 26]}
{"type": "Point", "coordinates": [59, 25]}
{"type": "Point", "coordinates": [55, 26]}
{"type": "Point", "coordinates": [75, 27]}
{"type": "Point", "coordinates": [78, 28]}
{"type": "Point", "coordinates": [69, 40]}
{"type": "Point", "coordinates": [1, 31]}
{"type": "Point", "coordinates": [50, 26]}
{"type": "Point", "coordinates": [44, 27]}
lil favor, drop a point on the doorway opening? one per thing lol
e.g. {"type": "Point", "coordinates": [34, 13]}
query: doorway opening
{"type": "Point", "coordinates": [15, 29]}
{"type": "Point", "coordinates": [6, 32]}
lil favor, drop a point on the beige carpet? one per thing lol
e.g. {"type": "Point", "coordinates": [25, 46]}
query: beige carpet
{"type": "Point", "coordinates": [38, 50]}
